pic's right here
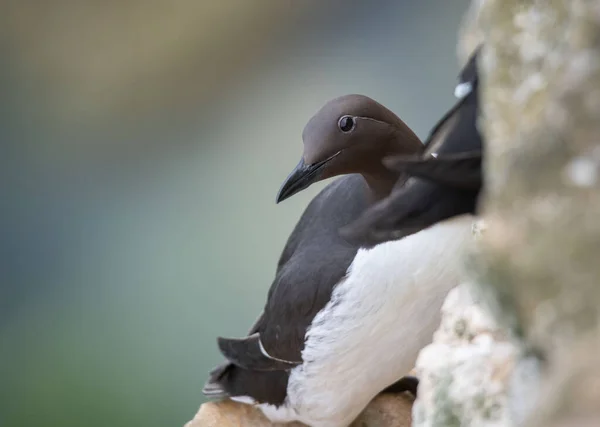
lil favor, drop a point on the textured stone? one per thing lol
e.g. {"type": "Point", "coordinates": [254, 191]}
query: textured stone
{"type": "Point", "coordinates": [383, 411]}
{"type": "Point", "coordinates": [538, 268]}
{"type": "Point", "coordinates": [231, 414]}
{"type": "Point", "coordinates": [470, 34]}
{"type": "Point", "coordinates": [465, 373]}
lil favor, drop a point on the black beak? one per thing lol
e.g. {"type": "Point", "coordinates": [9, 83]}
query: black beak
{"type": "Point", "coordinates": [301, 178]}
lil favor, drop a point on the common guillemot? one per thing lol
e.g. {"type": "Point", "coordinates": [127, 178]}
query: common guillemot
{"type": "Point", "coordinates": [341, 322]}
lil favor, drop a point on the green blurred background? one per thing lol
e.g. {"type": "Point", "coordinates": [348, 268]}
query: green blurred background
{"type": "Point", "coordinates": [143, 143]}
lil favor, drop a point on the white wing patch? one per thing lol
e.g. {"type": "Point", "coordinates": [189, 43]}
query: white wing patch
{"type": "Point", "coordinates": [463, 89]}
{"type": "Point", "coordinates": [243, 399]}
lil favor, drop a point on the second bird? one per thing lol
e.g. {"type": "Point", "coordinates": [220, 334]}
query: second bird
{"type": "Point", "coordinates": [446, 179]}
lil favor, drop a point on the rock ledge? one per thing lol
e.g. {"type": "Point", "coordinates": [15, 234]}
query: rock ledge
{"type": "Point", "coordinates": [383, 411]}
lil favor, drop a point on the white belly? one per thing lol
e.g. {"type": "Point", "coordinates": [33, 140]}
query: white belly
{"type": "Point", "coordinates": [369, 335]}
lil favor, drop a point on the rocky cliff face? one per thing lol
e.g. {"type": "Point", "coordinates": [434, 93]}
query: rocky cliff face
{"type": "Point", "coordinates": [465, 372]}
{"type": "Point", "coordinates": [473, 374]}
{"type": "Point", "coordinates": [537, 269]}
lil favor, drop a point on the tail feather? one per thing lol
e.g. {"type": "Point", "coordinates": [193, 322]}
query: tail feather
{"type": "Point", "coordinates": [214, 388]}
{"type": "Point", "coordinates": [230, 381]}
{"type": "Point", "coordinates": [214, 391]}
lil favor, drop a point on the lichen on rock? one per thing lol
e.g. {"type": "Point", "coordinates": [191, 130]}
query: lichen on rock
{"type": "Point", "coordinates": [538, 262]}
{"type": "Point", "coordinates": [465, 373]}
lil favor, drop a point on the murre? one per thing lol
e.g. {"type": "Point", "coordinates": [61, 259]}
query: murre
{"type": "Point", "coordinates": [342, 322]}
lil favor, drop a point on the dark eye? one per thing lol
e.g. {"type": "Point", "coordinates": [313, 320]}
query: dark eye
{"type": "Point", "coordinates": [346, 124]}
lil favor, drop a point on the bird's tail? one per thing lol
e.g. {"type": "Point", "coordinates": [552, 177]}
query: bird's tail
{"type": "Point", "coordinates": [214, 388]}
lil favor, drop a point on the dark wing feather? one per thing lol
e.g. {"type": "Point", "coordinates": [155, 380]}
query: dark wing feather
{"type": "Point", "coordinates": [410, 209]}
{"type": "Point", "coordinates": [436, 191]}
{"type": "Point", "coordinates": [247, 353]}
{"type": "Point", "coordinates": [461, 171]}
{"type": "Point", "coordinates": [315, 258]}
{"type": "Point", "coordinates": [307, 275]}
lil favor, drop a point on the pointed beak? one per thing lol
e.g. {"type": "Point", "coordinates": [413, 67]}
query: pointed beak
{"type": "Point", "coordinates": [302, 177]}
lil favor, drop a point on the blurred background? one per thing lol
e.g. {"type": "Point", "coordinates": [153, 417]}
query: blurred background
{"type": "Point", "coordinates": [143, 143]}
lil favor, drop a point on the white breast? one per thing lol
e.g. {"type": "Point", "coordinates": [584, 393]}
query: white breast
{"type": "Point", "coordinates": [380, 316]}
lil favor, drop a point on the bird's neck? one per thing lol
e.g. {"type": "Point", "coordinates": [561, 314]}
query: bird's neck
{"type": "Point", "coordinates": [380, 180]}
{"type": "Point", "coordinates": [380, 183]}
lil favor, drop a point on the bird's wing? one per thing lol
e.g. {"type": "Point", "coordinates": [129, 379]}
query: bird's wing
{"type": "Point", "coordinates": [460, 170]}
{"type": "Point", "coordinates": [408, 210]}
{"type": "Point", "coordinates": [249, 353]}
{"type": "Point", "coordinates": [314, 260]}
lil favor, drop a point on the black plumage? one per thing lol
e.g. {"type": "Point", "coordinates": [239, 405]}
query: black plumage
{"type": "Point", "coordinates": [298, 294]}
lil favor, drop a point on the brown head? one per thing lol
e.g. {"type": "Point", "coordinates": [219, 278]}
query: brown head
{"type": "Point", "coordinates": [349, 134]}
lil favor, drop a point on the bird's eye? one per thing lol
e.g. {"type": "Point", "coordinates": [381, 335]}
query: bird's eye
{"type": "Point", "coordinates": [346, 124]}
